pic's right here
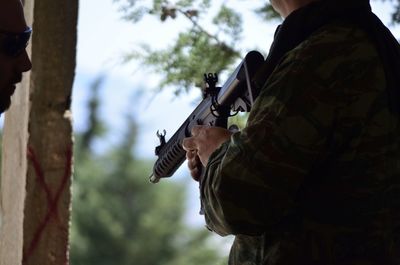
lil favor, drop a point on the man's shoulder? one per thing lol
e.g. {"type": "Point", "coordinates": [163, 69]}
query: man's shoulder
{"type": "Point", "coordinates": [334, 51]}
{"type": "Point", "coordinates": [336, 41]}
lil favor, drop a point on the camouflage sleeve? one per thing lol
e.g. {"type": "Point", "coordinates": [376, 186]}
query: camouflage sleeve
{"type": "Point", "coordinates": [251, 181]}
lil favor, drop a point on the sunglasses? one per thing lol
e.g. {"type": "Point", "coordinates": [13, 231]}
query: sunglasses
{"type": "Point", "coordinates": [14, 44]}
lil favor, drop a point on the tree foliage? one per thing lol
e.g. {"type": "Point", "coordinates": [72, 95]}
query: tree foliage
{"type": "Point", "coordinates": [207, 44]}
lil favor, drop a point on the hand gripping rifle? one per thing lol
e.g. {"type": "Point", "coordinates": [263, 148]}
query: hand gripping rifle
{"type": "Point", "coordinates": [237, 94]}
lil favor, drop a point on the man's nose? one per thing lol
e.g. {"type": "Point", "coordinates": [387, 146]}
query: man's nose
{"type": "Point", "coordinates": [24, 63]}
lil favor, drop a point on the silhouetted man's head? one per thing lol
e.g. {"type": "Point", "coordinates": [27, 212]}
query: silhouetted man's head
{"type": "Point", "coordinates": [14, 36]}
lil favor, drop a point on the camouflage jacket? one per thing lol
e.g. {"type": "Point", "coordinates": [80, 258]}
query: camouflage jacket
{"type": "Point", "coordinates": [314, 176]}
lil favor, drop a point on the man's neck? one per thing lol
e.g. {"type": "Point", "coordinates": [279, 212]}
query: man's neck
{"type": "Point", "coordinates": [292, 5]}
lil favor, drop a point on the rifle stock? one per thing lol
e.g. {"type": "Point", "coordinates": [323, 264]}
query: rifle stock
{"type": "Point", "coordinates": [237, 94]}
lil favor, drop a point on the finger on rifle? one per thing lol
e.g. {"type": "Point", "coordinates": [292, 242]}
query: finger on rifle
{"type": "Point", "coordinates": [193, 163]}
{"type": "Point", "coordinates": [196, 173]}
{"type": "Point", "coordinates": [198, 162]}
{"type": "Point", "coordinates": [197, 129]}
{"type": "Point", "coordinates": [189, 144]}
{"type": "Point", "coordinates": [191, 154]}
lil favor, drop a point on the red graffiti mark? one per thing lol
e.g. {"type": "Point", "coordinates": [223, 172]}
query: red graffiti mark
{"type": "Point", "coordinates": [52, 211]}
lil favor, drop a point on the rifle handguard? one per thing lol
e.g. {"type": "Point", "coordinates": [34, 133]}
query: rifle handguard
{"type": "Point", "coordinates": [237, 94]}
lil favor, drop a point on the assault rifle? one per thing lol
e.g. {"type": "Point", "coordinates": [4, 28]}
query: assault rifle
{"type": "Point", "coordinates": [218, 104]}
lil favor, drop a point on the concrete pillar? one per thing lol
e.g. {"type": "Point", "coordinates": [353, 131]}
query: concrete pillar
{"type": "Point", "coordinates": [35, 195]}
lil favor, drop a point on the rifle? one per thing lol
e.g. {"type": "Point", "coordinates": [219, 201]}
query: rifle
{"type": "Point", "coordinates": [236, 95]}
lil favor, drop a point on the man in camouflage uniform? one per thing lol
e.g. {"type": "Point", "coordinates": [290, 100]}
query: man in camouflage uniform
{"type": "Point", "coordinates": [314, 177]}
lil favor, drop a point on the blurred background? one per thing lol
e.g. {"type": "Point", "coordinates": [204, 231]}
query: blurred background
{"type": "Point", "coordinates": [139, 68]}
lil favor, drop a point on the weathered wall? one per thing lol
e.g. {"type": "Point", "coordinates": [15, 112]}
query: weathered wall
{"type": "Point", "coordinates": [14, 168]}
{"type": "Point", "coordinates": [37, 143]}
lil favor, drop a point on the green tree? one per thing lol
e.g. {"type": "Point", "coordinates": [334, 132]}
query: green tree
{"type": "Point", "coordinates": [196, 48]}
{"type": "Point", "coordinates": [118, 217]}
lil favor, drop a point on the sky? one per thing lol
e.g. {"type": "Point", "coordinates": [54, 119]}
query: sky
{"type": "Point", "coordinates": [104, 38]}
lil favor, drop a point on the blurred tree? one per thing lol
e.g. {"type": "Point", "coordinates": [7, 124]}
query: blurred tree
{"type": "Point", "coordinates": [208, 43]}
{"type": "Point", "coordinates": [95, 126]}
{"type": "Point", "coordinates": [198, 47]}
{"type": "Point", "coordinates": [118, 217]}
